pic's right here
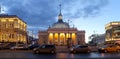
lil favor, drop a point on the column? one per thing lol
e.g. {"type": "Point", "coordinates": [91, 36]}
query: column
{"type": "Point", "coordinates": [58, 38]}
{"type": "Point", "coordinates": [48, 42]}
{"type": "Point", "coordinates": [75, 39]}
{"type": "Point", "coordinates": [65, 39]}
{"type": "Point", "coordinates": [53, 40]}
{"type": "Point", "coordinates": [71, 40]}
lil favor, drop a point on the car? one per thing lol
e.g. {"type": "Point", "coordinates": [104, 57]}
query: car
{"type": "Point", "coordinates": [45, 49]}
{"type": "Point", "coordinates": [33, 46]}
{"type": "Point", "coordinates": [80, 48]}
{"type": "Point", "coordinates": [19, 47]}
{"type": "Point", "coordinates": [6, 45]}
{"type": "Point", "coordinates": [109, 48]}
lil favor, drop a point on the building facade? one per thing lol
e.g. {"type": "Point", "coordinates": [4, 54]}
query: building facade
{"type": "Point", "coordinates": [12, 29]}
{"type": "Point", "coordinates": [60, 33]}
{"type": "Point", "coordinates": [112, 32]}
{"type": "Point", "coordinates": [59, 36]}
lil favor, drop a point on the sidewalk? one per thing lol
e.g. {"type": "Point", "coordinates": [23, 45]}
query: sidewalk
{"type": "Point", "coordinates": [62, 49]}
{"type": "Point", "coordinates": [15, 51]}
{"type": "Point", "coordinates": [94, 49]}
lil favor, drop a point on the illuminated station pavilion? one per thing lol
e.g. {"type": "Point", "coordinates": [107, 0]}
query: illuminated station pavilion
{"type": "Point", "coordinates": [60, 33]}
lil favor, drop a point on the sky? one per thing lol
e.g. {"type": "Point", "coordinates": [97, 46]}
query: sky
{"type": "Point", "coordinates": [88, 15]}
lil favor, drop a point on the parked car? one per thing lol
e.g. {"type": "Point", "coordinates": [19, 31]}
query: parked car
{"type": "Point", "coordinates": [33, 46]}
{"type": "Point", "coordinates": [80, 48]}
{"type": "Point", "coordinates": [6, 45]}
{"type": "Point", "coordinates": [45, 49]}
{"type": "Point", "coordinates": [19, 47]}
{"type": "Point", "coordinates": [109, 48]}
{"type": "Point", "coordinates": [1, 45]}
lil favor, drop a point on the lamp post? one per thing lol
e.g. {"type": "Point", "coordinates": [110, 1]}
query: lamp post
{"type": "Point", "coordinates": [17, 33]}
{"type": "Point", "coordinates": [69, 38]}
{"type": "Point", "coordinates": [33, 37]}
{"type": "Point", "coordinates": [28, 40]}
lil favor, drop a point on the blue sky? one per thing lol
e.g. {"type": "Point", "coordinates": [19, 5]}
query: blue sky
{"type": "Point", "coordinates": [88, 15]}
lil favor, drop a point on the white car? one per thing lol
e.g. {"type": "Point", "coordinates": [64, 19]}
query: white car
{"type": "Point", "coordinates": [19, 47]}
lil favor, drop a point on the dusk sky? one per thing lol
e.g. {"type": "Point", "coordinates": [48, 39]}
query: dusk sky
{"type": "Point", "coordinates": [88, 15]}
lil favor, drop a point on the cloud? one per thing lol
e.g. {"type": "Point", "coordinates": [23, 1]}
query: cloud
{"type": "Point", "coordinates": [84, 8]}
{"type": "Point", "coordinates": [33, 12]}
{"type": "Point", "coordinates": [44, 12]}
{"type": "Point", "coordinates": [36, 27]}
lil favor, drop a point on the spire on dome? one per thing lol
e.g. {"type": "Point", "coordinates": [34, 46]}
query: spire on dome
{"type": "Point", "coordinates": [60, 14]}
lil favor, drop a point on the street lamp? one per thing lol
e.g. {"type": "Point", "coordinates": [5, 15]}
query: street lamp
{"type": "Point", "coordinates": [17, 34]}
{"type": "Point", "coordinates": [69, 38]}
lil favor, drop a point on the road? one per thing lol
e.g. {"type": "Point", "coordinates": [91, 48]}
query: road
{"type": "Point", "coordinates": [29, 54]}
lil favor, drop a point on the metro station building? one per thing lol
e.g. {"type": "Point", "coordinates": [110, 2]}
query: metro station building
{"type": "Point", "coordinates": [60, 33]}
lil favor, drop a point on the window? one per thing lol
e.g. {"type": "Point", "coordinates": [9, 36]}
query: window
{"type": "Point", "coordinates": [3, 25]}
{"type": "Point", "coordinates": [11, 25]}
{"type": "Point", "coordinates": [16, 24]}
{"type": "Point", "coordinates": [83, 46]}
{"type": "Point", "coordinates": [12, 35]}
{"type": "Point", "coordinates": [2, 36]}
{"type": "Point", "coordinates": [9, 35]}
{"type": "Point", "coordinates": [43, 46]}
{"type": "Point", "coordinates": [49, 46]}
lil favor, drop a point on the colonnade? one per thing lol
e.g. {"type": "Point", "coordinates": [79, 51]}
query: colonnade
{"type": "Point", "coordinates": [61, 38]}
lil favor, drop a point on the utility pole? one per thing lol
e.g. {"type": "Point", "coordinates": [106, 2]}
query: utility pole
{"type": "Point", "coordinates": [0, 9]}
{"type": "Point", "coordinates": [27, 38]}
{"type": "Point", "coordinates": [17, 34]}
{"type": "Point", "coordinates": [68, 28]}
{"type": "Point", "coordinates": [32, 38]}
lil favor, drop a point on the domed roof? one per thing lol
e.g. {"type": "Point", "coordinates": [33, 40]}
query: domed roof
{"type": "Point", "coordinates": [60, 24]}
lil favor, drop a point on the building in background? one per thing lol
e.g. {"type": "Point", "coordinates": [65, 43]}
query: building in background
{"type": "Point", "coordinates": [97, 39]}
{"type": "Point", "coordinates": [12, 29]}
{"type": "Point", "coordinates": [113, 32]}
{"type": "Point", "coordinates": [32, 38]}
{"type": "Point", "coordinates": [60, 33]}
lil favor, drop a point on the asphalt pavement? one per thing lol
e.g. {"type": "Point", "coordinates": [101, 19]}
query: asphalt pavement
{"type": "Point", "coordinates": [23, 54]}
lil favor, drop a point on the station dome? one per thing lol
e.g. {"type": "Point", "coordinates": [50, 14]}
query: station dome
{"type": "Point", "coordinates": [60, 24]}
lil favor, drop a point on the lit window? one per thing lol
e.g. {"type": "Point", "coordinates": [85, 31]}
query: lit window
{"type": "Point", "coordinates": [3, 20]}
{"type": "Point", "coordinates": [12, 35]}
{"type": "Point", "coordinates": [11, 25]}
{"type": "Point", "coordinates": [11, 20]}
{"type": "Point", "coordinates": [114, 23]}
